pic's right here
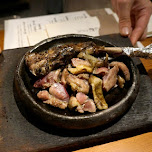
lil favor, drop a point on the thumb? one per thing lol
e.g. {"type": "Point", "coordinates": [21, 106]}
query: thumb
{"type": "Point", "coordinates": [124, 19]}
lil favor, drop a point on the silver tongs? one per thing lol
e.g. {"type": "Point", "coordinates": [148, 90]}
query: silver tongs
{"type": "Point", "coordinates": [145, 52]}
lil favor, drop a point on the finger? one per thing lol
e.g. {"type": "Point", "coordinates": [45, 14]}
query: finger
{"type": "Point", "coordinates": [124, 8]}
{"type": "Point", "coordinates": [140, 27]}
{"type": "Point", "coordinates": [144, 35]}
{"type": "Point", "coordinates": [114, 5]}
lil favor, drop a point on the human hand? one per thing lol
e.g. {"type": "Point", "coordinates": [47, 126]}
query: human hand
{"type": "Point", "coordinates": [133, 17]}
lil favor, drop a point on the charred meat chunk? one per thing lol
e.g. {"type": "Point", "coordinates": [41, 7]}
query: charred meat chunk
{"type": "Point", "coordinates": [56, 57]}
{"type": "Point", "coordinates": [53, 58]}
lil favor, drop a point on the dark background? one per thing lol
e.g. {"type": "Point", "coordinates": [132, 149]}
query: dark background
{"type": "Point", "coordinates": [10, 9]}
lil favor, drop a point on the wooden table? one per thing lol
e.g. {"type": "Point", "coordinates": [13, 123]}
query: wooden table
{"type": "Point", "coordinates": [138, 143]}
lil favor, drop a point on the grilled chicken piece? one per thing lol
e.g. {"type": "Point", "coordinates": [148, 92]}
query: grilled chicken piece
{"type": "Point", "coordinates": [82, 103]}
{"type": "Point", "coordinates": [99, 99]}
{"type": "Point", "coordinates": [53, 58]}
{"type": "Point", "coordinates": [88, 47]}
{"type": "Point", "coordinates": [82, 66]}
{"type": "Point", "coordinates": [77, 84]}
{"type": "Point", "coordinates": [86, 103]}
{"type": "Point", "coordinates": [59, 91]}
{"type": "Point", "coordinates": [121, 81]}
{"type": "Point", "coordinates": [83, 76]}
{"type": "Point", "coordinates": [38, 62]}
{"type": "Point", "coordinates": [77, 62]}
{"type": "Point", "coordinates": [122, 67]}
{"type": "Point", "coordinates": [48, 80]}
{"type": "Point", "coordinates": [80, 69]}
{"type": "Point", "coordinates": [73, 103]}
{"type": "Point", "coordinates": [56, 57]}
{"type": "Point", "coordinates": [89, 106]}
{"type": "Point", "coordinates": [81, 97]}
{"type": "Point", "coordinates": [50, 99]}
{"type": "Point", "coordinates": [110, 79]}
{"type": "Point", "coordinates": [101, 71]}
{"type": "Point", "coordinates": [65, 73]}
{"type": "Point", "coordinates": [93, 60]}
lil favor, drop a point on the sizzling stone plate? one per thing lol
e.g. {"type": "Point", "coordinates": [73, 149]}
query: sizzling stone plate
{"type": "Point", "coordinates": [119, 100]}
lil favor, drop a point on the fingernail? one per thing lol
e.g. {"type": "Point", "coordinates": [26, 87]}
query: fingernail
{"type": "Point", "coordinates": [125, 31]}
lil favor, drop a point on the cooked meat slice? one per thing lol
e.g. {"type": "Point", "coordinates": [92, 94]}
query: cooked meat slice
{"type": "Point", "coordinates": [89, 106]}
{"type": "Point", "coordinates": [77, 84]}
{"type": "Point", "coordinates": [81, 105]}
{"type": "Point", "coordinates": [83, 76]}
{"type": "Point", "coordinates": [110, 79]}
{"type": "Point", "coordinates": [100, 71]}
{"type": "Point", "coordinates": [99, 100]}
{"type": "Point", "coordinates": [122, 67]}
{"type": "Point", "coordinates": [99, 63]}
{"type": "Point", "coordinates": [86, 103]}
{"type": "Point", "coordinates": [59, 91]}
{"type": "Point", "coordinates": [80, 69]}
{"type": "Point", "coordinates": [82, 66]}
{"type": "Point", "coordinates": [65, 73]}
{"type": "Point", "coordinates": [73, 103]}
{"type": "Point", "coordinates": [43, 95]}
{"type": "Point", "coordinates": [49, 99]}
{"type": "Point", "coordinates": [55, 102]}
{"type": "Point", "coordinates": [121, 81]}
{"type": "Point", "coordinates": [48, 80]}
{"type": "Point", "coordinates": [76, 62]}
{"type": "Point", "coordinates": [81, 97]}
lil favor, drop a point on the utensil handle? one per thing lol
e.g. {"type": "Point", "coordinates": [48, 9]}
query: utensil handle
{"type": "Point", "coordinates": [114, 49]}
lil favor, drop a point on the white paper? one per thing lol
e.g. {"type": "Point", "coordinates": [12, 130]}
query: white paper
{"type": "Point", "coordinates": [36, 37]}
{"type": "Point", "coordinates": [16, 30]}
{"type": "Point", "coordinates": [89, 26]}
{"type": "Point", "coordinates": [111, 12]}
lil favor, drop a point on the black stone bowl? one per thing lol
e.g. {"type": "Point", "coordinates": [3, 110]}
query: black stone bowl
{"type": "Point", "coordinates": [119, 100]}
